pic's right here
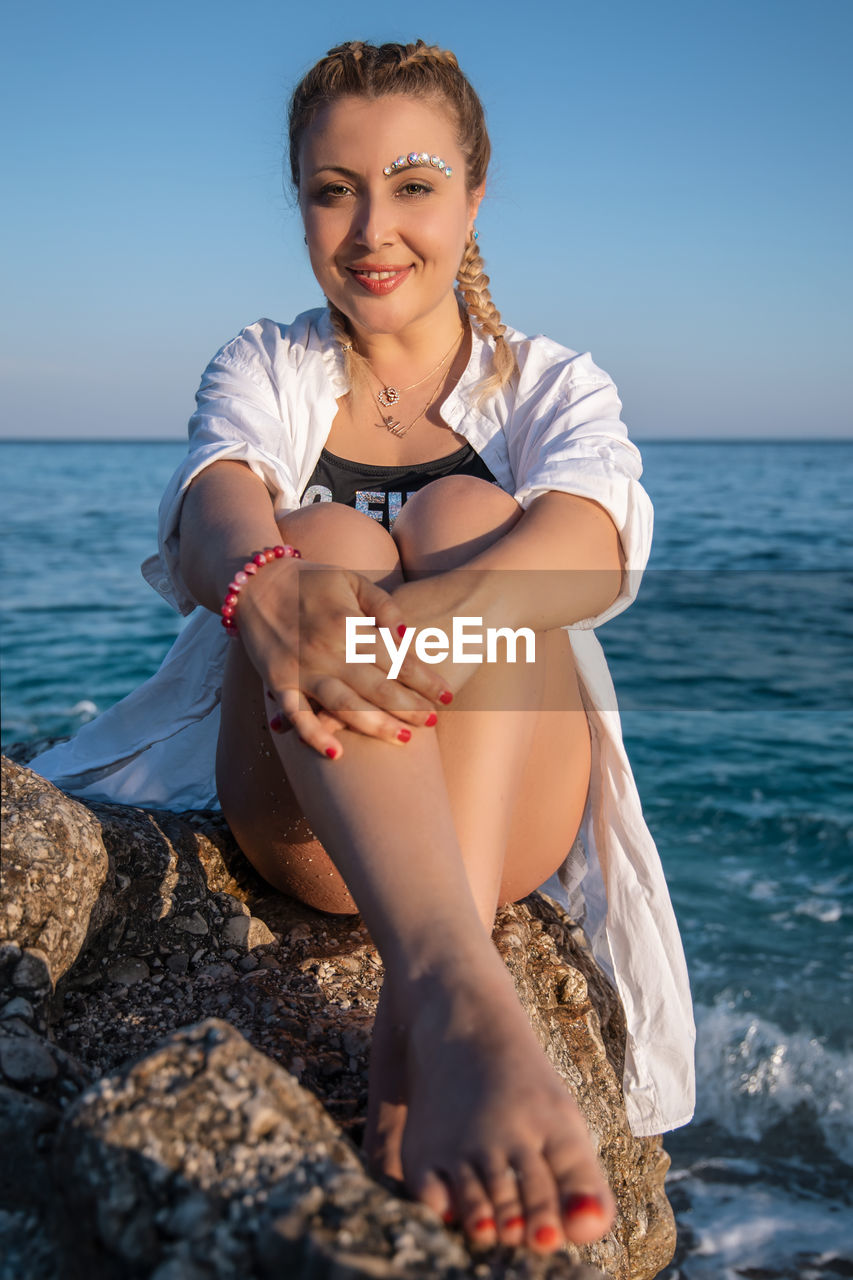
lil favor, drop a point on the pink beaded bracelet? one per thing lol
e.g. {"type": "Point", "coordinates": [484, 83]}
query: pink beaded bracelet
{"type": "Point", "coordinates": [242, 576]}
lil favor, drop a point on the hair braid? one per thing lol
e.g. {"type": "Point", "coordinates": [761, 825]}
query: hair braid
{"type": "Point", "coordinates": [421, 54]}
{"type": "Point", "coordinates": [358, 69]}
{"type": "Point", "coordinates": [474, 286]}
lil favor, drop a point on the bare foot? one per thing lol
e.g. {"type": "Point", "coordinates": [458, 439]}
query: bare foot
{"type": "Point", "coordinates": [493, 1137]}
{"type": "Point", "coordinates": [386, 1107]}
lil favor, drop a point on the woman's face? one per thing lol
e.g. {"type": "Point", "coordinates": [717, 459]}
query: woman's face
{"type": "Point", "coordinates": [362, 224]}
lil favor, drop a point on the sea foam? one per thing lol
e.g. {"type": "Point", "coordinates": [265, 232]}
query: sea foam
{"type": "Point", "coordinates": [752, 1076]}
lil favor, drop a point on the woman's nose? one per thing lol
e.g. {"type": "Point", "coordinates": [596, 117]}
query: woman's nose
{"type": "Point", "coordinates": [374, 222]}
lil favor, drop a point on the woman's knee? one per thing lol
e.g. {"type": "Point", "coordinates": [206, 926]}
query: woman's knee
{"type": "Point", "coordinates": [332, 533]}
{"type": "Point", "coordinates": [451, 520]}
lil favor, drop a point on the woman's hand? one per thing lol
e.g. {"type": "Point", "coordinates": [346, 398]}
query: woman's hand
{"type": "Point", "coordinates": [435, 602]}
{"type": "Point", "coordinates": [292, 623]}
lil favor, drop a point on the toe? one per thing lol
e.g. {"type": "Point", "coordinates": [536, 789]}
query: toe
{"type": "Point", "coordinates": [501, 1183]}
{"type": "Point", "coordinates": [541, 1203]}
{"type": "Point", "coordinates": [586, 1217]}
{"type": "Point", "coordinates": [473, 1206]}
{"type": "Point", "coordinates": [433, 1191]}
{"type": "Point", "coordinates": [588, 1207]}
{"type": "Point", "coordinates": [383, 1142]}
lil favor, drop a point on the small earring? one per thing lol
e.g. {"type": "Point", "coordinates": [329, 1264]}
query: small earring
{"type": "Point", "coordinates": [475, 235]}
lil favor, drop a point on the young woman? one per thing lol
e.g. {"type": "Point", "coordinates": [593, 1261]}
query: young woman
{"type": "Point", "coordinates": [394, 438]}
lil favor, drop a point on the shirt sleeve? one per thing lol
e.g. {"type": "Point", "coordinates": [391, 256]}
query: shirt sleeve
{"type": "Point", "coordinates": [568, 437]}
{"type": "Point", "coordinates": [238, 416]}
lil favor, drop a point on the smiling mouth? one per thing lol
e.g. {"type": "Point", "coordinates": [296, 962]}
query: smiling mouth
{"type": "Point", "coordinates": [379, 280]}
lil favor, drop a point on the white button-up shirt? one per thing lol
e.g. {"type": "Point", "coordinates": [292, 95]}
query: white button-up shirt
{"type": "Point", "coordinates": [268, 399]}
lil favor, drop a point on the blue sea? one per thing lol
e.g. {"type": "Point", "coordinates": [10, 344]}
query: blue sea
{"type": "Point", "coordinates": [734, 677]}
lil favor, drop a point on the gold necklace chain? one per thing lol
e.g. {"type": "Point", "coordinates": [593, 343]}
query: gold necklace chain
{"type": "Point", "coordinates": [391, 395]}
{"type": "Point", "coordinates": [388, 421]}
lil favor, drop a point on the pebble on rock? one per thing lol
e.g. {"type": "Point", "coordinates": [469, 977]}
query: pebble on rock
{"type": "Point", "coordinates": [128, 971]}
{"type": "Point", "coordinates": [26, 1061]}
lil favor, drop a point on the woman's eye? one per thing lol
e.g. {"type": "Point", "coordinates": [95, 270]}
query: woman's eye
{"type": "Point", "coordinates": [334, 191]}
{"type": "Point", "coordinates": [416, 189]}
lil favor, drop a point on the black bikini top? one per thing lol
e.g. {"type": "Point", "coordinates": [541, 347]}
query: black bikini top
{"type": "Point", "coordinates": [380, 491]}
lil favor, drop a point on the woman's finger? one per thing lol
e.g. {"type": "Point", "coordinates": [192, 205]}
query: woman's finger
{"type": "Point", "coordinates": [329, 722]}
{"type": "Point", "coordinates": [393, 650]}
{"type": "Point", "coordinates": [365, 714]}
{"type": "Point", "coordinates": [295, 710]}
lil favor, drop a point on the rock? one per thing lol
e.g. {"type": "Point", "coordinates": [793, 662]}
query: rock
{"type": "Point", "coordinates": [206, 1149]}
{"type": "Point", "coordinates": [189, 1158]}
{"type": "Point", "coordinates": [31, 1062]}
{"type": "Point", "coordinates": [246, 931]}
{"type": "Point", "coordinates": [24, 1122]}
{"type": "Point", "coordinates": [25, 981]}
{"type": "Point", "coordinates": [18, 1007]}
{"type": "Point", "coordinates": [194, 924]}
{"type": "Point", "coordinates": [128, 971]}
{"type": "Point", "coordinates": [54, 868]}
{"type": "Point", "coordinates": [28, 1249]}
{"type": "Point", "coordinates": [25, 1061]}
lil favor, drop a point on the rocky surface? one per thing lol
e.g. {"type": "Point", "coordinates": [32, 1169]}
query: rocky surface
{"type": "Point", "coordinates": [183, 1067]}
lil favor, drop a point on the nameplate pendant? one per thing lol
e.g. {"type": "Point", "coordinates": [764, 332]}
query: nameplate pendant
{"type": "Point", "coordinates": [394, 427]}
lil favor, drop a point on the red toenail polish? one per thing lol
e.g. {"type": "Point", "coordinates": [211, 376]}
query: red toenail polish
{"type": "Point", "coordinates": [401, 630]}
{"type": "Point", "coordinates": [276, 723]}
{"type": "Point", "coordinates": [484, 1224]}
{"type": "Point", "coordinates": [583, 1204]}
{"type": "Point", "coordinates": [331, 753]}
{"type": "Point", "coordinates": [431, 719]}
{"type": "Point", "coordinates": [446, 697]}
{"type": "Point", "coordinates": [404, 735]}
{"type": "Point", "coordinates": [546, 1235]}
{"type": "Point", "coordinates": [512, 1223]}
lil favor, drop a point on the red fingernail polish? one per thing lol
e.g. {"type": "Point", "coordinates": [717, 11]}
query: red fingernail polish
{"type": "Point", "coordinates": [276, 723]}
{"type": "Point", "coordinates": [512, 1223]}
{"type": "Point", "coordinates": [431, 719]}
{"type": "Point", "coordinates": [446, 697]}
{"type": "Point", "coordinates": [546, 1235]}
{"type": "Point", "coordinates": [485, 1224]}
{"type": "Point", "coordinates": [401, 630]}
{"type": "Point", "coordinates": [583, 1204]}
{"type": "Point", "coordinates": [404, 735]}
{"type": "Point", "coordinates": [331, 753]}
{"type": "Point", "coordinates": [448, 1215]}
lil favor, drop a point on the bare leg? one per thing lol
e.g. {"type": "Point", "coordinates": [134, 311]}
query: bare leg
{"type": "Point", "coordinates": [484, 762]}
{"type": "Point", "coordinates": [516, 780]}
{"type": "Point", "coordinates": [477, 1081]}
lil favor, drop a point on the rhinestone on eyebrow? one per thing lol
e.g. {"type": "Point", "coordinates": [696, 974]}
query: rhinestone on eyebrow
{"type": "Point", "coordinates": [415, 159]}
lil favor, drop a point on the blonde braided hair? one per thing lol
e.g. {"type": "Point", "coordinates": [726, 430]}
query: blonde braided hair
{"type": "Point", "coordinates": [357, 69]}
{"type": "Point", "coordinates": [474, 286]}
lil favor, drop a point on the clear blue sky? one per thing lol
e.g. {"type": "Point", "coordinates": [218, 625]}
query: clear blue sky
{"type": "Point", "coordinates": [671, 189]}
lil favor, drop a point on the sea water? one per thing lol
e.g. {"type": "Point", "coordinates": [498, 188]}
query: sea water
{"type": "Point", "coordinates": [734, 679]}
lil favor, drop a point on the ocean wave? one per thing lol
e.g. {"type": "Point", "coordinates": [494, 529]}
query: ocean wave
{"type": "Point", "coordinates": [85, 709]}
{"type": "Point", "coordinates": [755, 1229]}
{"type": "Point", "coordinates": [752, 1076]}
{"type": "Point", "coordinates": [827, 911]}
